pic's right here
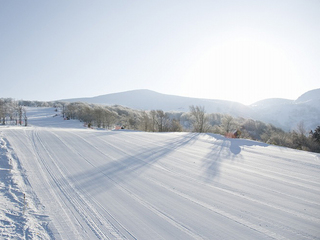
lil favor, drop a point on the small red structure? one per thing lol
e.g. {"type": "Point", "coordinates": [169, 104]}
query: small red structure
{"type": "Point", "coordinates": [235, 134]}
{"type": "Point", "coordinates": [229, 135]}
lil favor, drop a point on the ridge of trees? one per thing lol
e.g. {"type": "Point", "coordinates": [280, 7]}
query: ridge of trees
{"type": "Point", "coordinates": [196, 120]}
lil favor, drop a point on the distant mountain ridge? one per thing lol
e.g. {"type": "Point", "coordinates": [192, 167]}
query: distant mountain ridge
{"type": "Point", "coordinates": [144, 99]}
{"type": "Point", "coordinates": [280, 112]}
{"type": "Point", "coordinates": [287, 114]}
{"type": "Point", "coordinates": [311, 97]}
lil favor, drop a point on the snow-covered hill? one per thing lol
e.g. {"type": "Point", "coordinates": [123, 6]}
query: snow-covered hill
{"type": "Point", "coordinates": [311, 97]}
{"type": "Point", "coordinates": [64, 182]}
{"type": "Point", "coordinates": [283, 113]}
{"type": "Point", "coordinates": [287, 114]}
{"type": "Point", "coordinates": [150, 100]}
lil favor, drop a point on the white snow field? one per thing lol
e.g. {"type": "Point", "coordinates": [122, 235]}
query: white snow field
{"type": "Point", "coordinates": [59, 180]}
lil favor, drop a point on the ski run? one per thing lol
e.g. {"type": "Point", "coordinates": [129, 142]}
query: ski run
{"type": "Point", "coordinates": [60, 180]}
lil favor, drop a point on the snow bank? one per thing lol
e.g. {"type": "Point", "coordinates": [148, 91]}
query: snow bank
{"type": "Point", "coordinates": [20, 216]}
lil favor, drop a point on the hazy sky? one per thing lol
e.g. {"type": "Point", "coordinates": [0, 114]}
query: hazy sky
{"type": "Point", "coordinates": [240, 50]}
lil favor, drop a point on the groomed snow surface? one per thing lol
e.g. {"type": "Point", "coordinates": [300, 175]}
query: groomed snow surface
{"type": "Point", "coordinates": [59, 180]}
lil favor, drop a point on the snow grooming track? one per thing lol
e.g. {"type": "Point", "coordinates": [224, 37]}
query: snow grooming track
{"type": "Point", "coordinates": [313, 185]}
{"type": "Point", "coordinates": [68, 223]}
{"type": "Point", "coordinates": [262, 172]}
{"type": "Point", "coordinates": [184, 228]}
{"type": "Point", "coordinates": [161, 214]}
{"type": "Point", "coordinates": [279, 176]}
{"type": "Point", "coordinates": [146, 204]}
{"type": "Point", "coordinates": [255, 227]}
{"type": "Point", "coordinates": [263, 203]}
{"type": "Point", "coordinates": [301, 182]}
{"type": "Point", "coordinates": [170, 219]}
{"type": "Point", "coordinates": [75, 200]}
{"type": "Point", "coordinates": [110, 227]}
{"type": "Point", "coordinates": [19, 215]}
{"type": "Point", "coordinates": [234, 218]}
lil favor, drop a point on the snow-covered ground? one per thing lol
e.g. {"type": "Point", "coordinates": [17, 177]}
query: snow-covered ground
{"type": "Point", "coordinates": [59, 180]}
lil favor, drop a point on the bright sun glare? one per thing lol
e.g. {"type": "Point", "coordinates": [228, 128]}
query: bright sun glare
{"type": "Point", "coordinates": [239, 68]}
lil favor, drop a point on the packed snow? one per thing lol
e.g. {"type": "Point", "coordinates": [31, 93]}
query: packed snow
{"type": "Point", "coordinates": [60, 180]}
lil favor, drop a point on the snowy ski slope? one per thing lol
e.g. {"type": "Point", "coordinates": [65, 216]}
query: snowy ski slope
{"type": "Point", "coordinates": [62, 181]}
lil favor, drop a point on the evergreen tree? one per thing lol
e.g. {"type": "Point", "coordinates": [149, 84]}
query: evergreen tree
{"type": "Point", "coordinates": [316, 134]}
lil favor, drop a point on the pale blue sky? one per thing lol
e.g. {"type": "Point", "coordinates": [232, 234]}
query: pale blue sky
{"type": "Point", "coordinates": [236, 50]}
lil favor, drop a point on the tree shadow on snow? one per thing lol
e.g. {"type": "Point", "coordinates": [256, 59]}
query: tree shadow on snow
{"type": "Point", "coordinates": [224, 149]}
{"type": "Point", "coordinates": [100, 178]}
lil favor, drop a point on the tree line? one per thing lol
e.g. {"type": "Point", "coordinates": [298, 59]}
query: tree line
{"type": "Point", "coordinates": [11, 112]}
{"type": "Point", "coordinates": [196, 120]}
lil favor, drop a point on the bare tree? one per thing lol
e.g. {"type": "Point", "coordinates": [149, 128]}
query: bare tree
{"type": "Point", "coordinates": [2, 111]}
{"type": "Point", "coordinates": [199, 119]}
{"type": "Point", "coordinates": [110, 118]}
{"type": "Point", "coordinates": [153, 114]}
{"type": "Point", "coordinates": [63, 109]}
{"type": "Point", "coordinates": [25, 116]}
{"type": "Point", "coordinates": [175, 125]}
{"type": "Point", "coordinates": [299, 139]}
{"type": "Point", "coordinates": [162, 121]}
{"type": "Point", "coordinates": [98, 116]}
{"type": "Point", "coordinates": [227, 123]}
{"type": "Point", "coordinates": [301, 130]}
{"type": "Point", "coordinates": [19, 108]}
{"type": "Point", "coordinates": [145, 122]}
